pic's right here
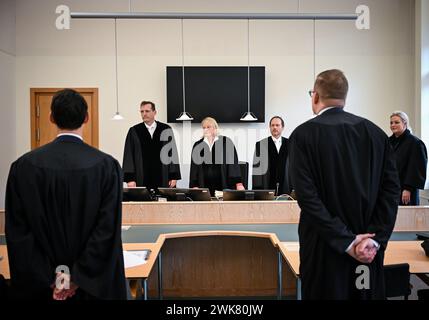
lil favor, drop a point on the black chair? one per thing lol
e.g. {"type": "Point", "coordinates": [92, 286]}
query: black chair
{"type": "Point", "coordinates": [244, 169]}
{"type": "Point", "coordinates": [397, 280]}
{"type": "Point", "coordinates": [423, 294]}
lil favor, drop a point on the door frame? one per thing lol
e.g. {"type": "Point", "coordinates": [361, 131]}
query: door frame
{"type": "Point", "coordinates": [93, 115]}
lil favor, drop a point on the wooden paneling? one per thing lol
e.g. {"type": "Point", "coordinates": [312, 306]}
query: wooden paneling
{"type": "Point", "coordinates": [228, 212]}
{"type": "Point", "coordinates": [410, 218]}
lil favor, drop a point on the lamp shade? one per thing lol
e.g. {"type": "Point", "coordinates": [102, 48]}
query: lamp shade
{"type": "Point", "coordinates": [184, 116]}
{"type": "Point", "coordinates": [248, 116]}
{"type": "Point", "coordinates": [117, 116]}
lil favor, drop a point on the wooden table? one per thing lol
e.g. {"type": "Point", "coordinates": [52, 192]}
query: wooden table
{"type": "Point", "coordinates": [139, 273]}
{"type": "Point", "coordinates": [397, 252]}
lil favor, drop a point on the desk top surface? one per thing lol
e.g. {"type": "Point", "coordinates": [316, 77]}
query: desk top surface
{"type": "Point", "coordinates": [397, 252]}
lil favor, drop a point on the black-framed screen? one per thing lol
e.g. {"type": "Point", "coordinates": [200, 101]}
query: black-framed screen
{"type": "Point", "coordinates": [218, 92]}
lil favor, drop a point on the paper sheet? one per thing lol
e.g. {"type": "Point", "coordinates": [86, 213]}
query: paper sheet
{"type": "Point", "coordinates": [135, 258]}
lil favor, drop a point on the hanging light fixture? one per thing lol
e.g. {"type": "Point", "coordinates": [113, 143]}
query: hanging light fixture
{"type": "Point", "coordinates": [183, 116]}
{"type": "Point", "coordinates": [117, 115]}
{"type": "Point", "coordinates": [248, 116]}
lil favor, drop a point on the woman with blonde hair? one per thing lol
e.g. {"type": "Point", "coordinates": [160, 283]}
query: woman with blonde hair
{"type": "Point", "coordinates": [411, 158]}
{"type": "Point", "coordinates": [214, 161]}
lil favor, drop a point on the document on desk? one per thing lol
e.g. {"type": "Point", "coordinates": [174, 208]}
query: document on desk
{"type": "Point", "coordinates": [135, 258]}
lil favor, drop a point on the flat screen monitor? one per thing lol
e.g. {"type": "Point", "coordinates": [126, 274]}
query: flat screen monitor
{"type": "Point", "coordinates": [184, 194]}
{"type": "Point", "coordinates": [216, 91]}
{"type": "Point", "coordinates": [136, 194]}
{"type": "Point", "coordinates": [243, 195]}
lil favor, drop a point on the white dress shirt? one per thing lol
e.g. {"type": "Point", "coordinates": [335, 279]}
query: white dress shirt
{"type": "Point", "coordinates": [208, 143]}
{"type": "Point", "coordinates": [277, 142]}
{"type": "Point", "coordinates": [151, 128]}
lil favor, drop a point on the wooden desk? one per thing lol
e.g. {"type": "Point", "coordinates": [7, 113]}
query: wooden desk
{"type": "Point", "coordinates": [397, 252]}
{"type": "Point", "coordinates": [4, 263]}
{"type": "Point", "coordinates": [239, 212]}
{"type": "Point", "coordinates": [409, 218]}
{"type": "Point", "coordinates": [140, 273]}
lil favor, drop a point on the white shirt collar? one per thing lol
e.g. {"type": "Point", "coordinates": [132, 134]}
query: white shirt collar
{"type": "Point", "coordinates": [70, 134]}
{"type": "Point", "coordinates": [208, 143]}
{"type": "Point", "coordinates": [324, 110]}
{"type": "Point", "coordinates": [277, 140]}
{"type": "Point", "coordinates": [151, 127]}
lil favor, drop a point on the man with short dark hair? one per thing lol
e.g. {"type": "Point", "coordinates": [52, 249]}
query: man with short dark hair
{"type": "Point", "coordinates": [270, 160]}
{"type": "Point", "coordinates": [150, 153]}
{"type": "Point", "coordinates": [345, 178]}
{"type": "Point", "coordinates": [63, 214]}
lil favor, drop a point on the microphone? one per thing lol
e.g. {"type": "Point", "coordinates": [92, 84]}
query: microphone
{"type": "Point", "coordinates": [277, 189]}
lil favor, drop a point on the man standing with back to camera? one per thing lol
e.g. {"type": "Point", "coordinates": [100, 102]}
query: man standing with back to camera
{"type": "Point", "coordinates": [63, 210]}
{"type": "Point", "coordinates": [347, 186]}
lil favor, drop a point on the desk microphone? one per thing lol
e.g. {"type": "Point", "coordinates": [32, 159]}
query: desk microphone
{"type": "Point", "coordinates": [277, 189]}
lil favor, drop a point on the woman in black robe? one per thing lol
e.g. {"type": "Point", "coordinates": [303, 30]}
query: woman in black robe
{"type": "Point", "coordinates": [214, 161]}
{"type": "Point", "coordinates": [411, 158]}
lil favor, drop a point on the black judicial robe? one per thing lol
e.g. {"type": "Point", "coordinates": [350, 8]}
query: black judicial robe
{"type": "Point", "coordinates": [142, 156]}
{"type": "Point", "coordinates": [344, 174]}
{"type": "Point", "coordinates": [266, 156]}
{"type": "Point", "coordinates": [63, 207]}
{"type": "Point", "coordinates": [223, 159]}
{"type": "Point", "coordinates": [411, 161]}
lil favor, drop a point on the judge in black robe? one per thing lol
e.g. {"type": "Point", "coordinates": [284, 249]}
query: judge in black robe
{"type": "Point", "coordinates": [150, 160]}
{"type": "Point", "coordinates": [215, 168]}
{"type": "Point", "coordinates": [345, 178]}
{"type": "Point", "coordinates": [269, 163]}
{"type": "Point", "coordinates": [411, 159]}
{"type": "Point", "coordinates": [63, 208]}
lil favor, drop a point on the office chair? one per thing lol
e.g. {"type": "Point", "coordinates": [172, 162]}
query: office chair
{"type": "Point", "coordinates": [397, 280]}
{"type": "Point", "coordinates": [244, 169]}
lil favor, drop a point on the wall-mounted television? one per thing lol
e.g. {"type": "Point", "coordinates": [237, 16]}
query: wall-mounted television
{"type": "Point", "coordinates": [218, 92]}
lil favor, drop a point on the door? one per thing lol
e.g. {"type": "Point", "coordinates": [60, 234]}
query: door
{"type": "Point", "coordinates": [43, 131]}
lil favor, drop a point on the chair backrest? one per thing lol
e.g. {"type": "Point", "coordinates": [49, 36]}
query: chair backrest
{"type": "Point", "coordinates": [397, 280]}
{"type": "Point", "coordinates": [244, 169]}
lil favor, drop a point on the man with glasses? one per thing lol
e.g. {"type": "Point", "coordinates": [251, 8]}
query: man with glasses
{"type": "Point", "coordinates": [345, 179]}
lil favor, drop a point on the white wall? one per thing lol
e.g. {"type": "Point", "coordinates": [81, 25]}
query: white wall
{"type": "Point", "coordinates": [422, 72]}
{"type": "Point", "coordinates": [7, 91]}
{"type": "Point", "coordinates": [378, 62]}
